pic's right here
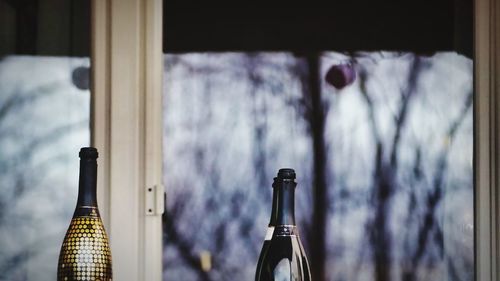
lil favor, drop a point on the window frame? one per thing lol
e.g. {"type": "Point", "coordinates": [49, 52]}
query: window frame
{"type": "Point", "coordinates": [126, 127]}
{"type": "Point", "coordinates": [486, 139]}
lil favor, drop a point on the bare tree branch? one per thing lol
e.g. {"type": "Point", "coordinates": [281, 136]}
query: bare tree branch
{"type": "Point", "coordinates": [384, 178]}
{"type": "Point", "coordinates": [434, 197]}
{"type": "Point", "coordinates": [184, 246]}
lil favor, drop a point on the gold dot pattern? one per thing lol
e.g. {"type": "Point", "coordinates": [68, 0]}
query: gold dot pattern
{"type": "Point", "coordinates": [85, 253]}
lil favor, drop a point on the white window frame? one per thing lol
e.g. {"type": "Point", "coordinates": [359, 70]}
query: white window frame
{"type": "Point", "coordinates": [127, 72]}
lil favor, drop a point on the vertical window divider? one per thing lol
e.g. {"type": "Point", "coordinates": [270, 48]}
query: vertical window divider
{"type": "Point", "coordinates": [487, 139]}
{"type": "Point", "coordinates": [127, 72]}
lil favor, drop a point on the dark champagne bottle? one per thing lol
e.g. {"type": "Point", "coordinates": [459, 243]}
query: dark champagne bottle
{"type": "Point", "coordinates": [85, 254]}
{"type": "Point", "coordinates": [283, 257]}
{"type": "Point", "coordinates": [269, 233]}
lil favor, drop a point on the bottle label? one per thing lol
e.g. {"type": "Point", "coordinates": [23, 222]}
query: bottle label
{"type": "Point", "coordinates": [85, 252]}
{"type": "Point", "coordinates": [286, 230]}
{"type": "Point", "coordinates": [86, 211]}
{"type": "Point", "coordinates": [269, 233]}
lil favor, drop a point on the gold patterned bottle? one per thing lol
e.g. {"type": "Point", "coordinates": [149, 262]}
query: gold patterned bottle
{"type": "Point", "coordinates": [85, 254]}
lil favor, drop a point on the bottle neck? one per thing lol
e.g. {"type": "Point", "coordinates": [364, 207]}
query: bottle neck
{"type": "Point", "coordinates": [274, 210]}
{"type": "Point", "coordinates": [87, 194]}
{"type": "Point", "coordinates": [284, 194]}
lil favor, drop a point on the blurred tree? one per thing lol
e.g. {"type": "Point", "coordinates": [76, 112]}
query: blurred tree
{"type": "Point", "coordinates": [365, 151]}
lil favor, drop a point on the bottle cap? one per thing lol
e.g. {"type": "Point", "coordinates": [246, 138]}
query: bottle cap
{"type": "Point", "coordinates": [88, 153]}
{"type": "Point", "coordinates": [286, 173]}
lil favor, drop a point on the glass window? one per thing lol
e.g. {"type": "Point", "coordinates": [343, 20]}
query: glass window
{"type": "Point", "coordinates": [44, 113]}
{"type": "Point", "coordinates": [371, 104]}
{"type": "Point", "coordinates": [384, 162]}
{"type": "Point", "coordinates": [44, 120]}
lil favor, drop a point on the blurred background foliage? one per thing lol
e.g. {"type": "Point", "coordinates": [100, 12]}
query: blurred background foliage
{"type": "Point", "coordinates": [381, 142]}
{"type": "Point", "coordinates": [44, 120]}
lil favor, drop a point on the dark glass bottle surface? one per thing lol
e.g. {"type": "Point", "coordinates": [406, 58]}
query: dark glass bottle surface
{"type": "Point", "coordinates": [85, 253]}
{"type": "Point", "coordinates": [269, 233]}
{"type": "Point", "coordinates": [283, 257]}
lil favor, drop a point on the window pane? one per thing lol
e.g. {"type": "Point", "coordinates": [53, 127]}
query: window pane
{"type": "Point", "coordinates": [391, 139]}
{"type": "Point", "coordinates": [44, 120]}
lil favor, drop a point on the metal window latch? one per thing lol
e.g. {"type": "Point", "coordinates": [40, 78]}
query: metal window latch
{"type": "Point", "coordinates": [155, 200]}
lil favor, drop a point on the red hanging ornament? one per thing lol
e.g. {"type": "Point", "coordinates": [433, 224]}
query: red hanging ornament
{"type": "Point", "coordinates": [340, 75]}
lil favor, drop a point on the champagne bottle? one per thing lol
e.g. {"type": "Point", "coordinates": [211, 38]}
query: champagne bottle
{"type": "Point", "coordinates": [85, 254]}
{"type": "Point", "coordinates": [283, 257]}
{"type": "Point", "coordinates": [269, 233]}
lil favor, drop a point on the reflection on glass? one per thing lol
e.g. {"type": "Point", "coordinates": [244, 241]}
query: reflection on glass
{"type": "Point", "coordinates": [385, 138]}
{"type": "Point", "coordinates": [282, 271]}
{"type": "Point", "coordinates": [44, 119]}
